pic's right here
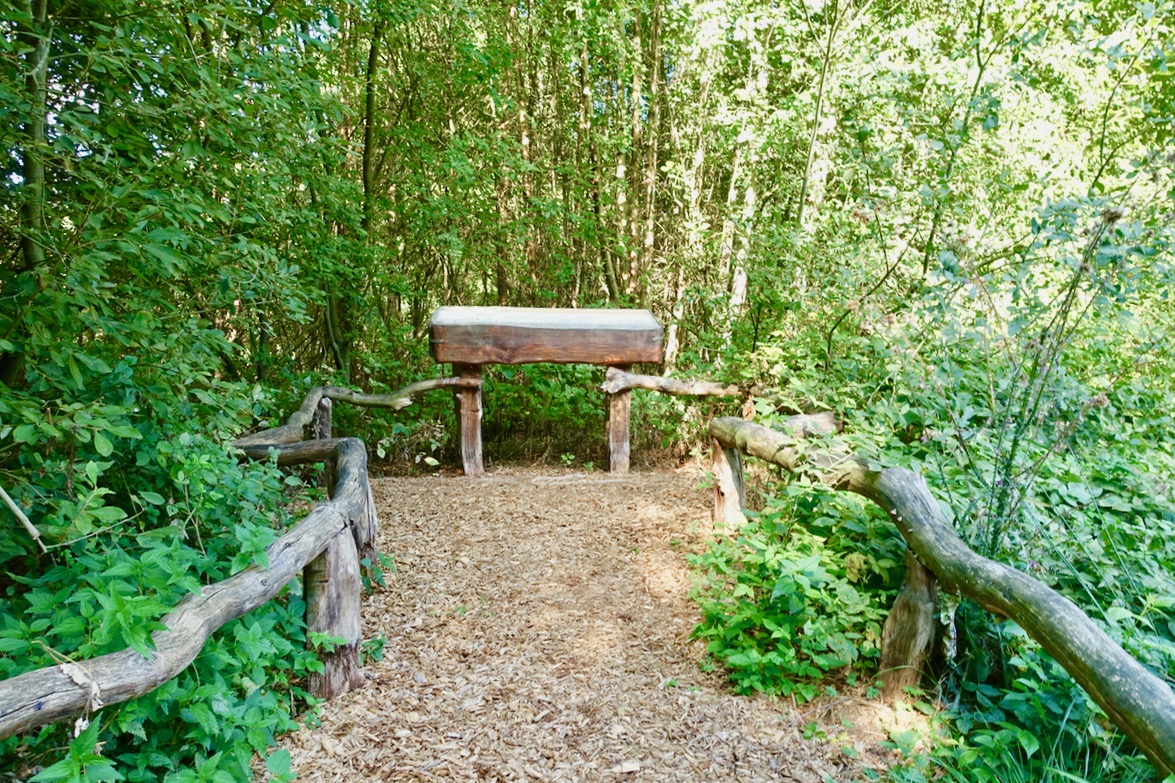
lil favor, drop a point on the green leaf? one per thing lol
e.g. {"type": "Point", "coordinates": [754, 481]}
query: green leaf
{"type": "Point", "coordinates": [61, 770]}
{"type": "Point", "coordinates": [173, 264]}
{"type": "Point", "coordinates": [278, 763]}
{"type": "Point", "coordinates": [74, 372]}
{"type": "Point", "coordinates": [24, 433]}
{"type": "Point", "coordinates": [103, 445]}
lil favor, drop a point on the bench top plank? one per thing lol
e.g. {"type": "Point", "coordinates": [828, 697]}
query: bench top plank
{"type": "Point", "coordinates": [520, 335]}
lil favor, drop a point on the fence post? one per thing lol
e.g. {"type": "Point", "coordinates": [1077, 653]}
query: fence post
{"type": "Point", "coordinates": [332, 588]}
{"type": "Point", "coordinates": [619, 412]}
{"type": "Point", "coordinates": [730, 494]}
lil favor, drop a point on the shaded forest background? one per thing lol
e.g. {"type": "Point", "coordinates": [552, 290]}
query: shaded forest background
{"type": "Point", "coordinates": [949, 222]}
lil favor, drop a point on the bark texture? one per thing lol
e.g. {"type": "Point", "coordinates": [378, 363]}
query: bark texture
{"type": "Point", "coordinates": [619, 413]}
{"type": "Point", "coordinates": [617, 380]}
{"type": "Point", "coordinates": [294, 430]}
{"type": "Point", "coordinates": [58, 692]}
{"type": "Point", "coordinates": [909, 630]}
{"type": "Point", "coordinates": [1139, 703]}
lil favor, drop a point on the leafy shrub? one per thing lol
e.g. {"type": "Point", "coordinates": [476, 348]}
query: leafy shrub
{"type": "Point", "coordinates": [206, 516]}
{"type": "Point", "coordinates": [797, 592]}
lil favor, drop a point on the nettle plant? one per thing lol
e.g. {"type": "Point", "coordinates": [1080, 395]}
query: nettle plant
{"type": "Point", "coordinates": [204, 517]}
{"type": "Point", "coordinates": [798, 592]}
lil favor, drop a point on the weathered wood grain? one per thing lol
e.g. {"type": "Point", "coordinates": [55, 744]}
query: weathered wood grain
{"type": "Point", "coordinates": [729, 488]}
{"type": "Point", "coordinates": [619, 413]}
{"type": "Point", "coordinates": [333, 588]}
{"type": "Point", "coordinates": [294, 430]}
{"type": "Point", "coordinates": [1139, 703]}
{"type": "Point", "coordinates": [469, 420]}
{"type": "Point", "coordinates": [618, 380]}
{"type": "Point", "coordinates": [521, 335]}
{"type": "Point", "coordinates": [909, 630]}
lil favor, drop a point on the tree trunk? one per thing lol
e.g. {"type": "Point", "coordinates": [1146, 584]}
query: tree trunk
{"type": "Point", "coordinates": [369, 119]}
{"type": "Point", "coordinates": [35, 38]}
{"type": "Point", "coordinates": [652, 151]}
{"type": "Point", "coordinates": [825, 64]}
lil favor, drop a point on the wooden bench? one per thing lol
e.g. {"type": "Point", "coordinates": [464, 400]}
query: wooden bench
{"type": "Point", "coordinates": [468, 337]}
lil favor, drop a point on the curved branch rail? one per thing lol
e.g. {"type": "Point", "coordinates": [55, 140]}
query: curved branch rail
{"type": "Point", "coordinates": [294, 429]}
{"type": "Point", "coordinates": [617, 381]}
{"type": "Point", "coordinates": [326, 547]}
{"type": "Point", "coordinates": [1141, 704]}
{"type": "Point", "coordinates": [54, 693]}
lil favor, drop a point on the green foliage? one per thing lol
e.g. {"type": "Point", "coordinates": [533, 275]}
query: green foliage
{"type": "Point", "coordinates": [537, 408]}
{"type": "Point", "coordinates": [108, 591]}
{"type": "Point", "coordinates": [1042, 728]}
{"type": "Point", "coordinates": [797, 592]}
{"type": "Point", "coordinates": [146, 271]}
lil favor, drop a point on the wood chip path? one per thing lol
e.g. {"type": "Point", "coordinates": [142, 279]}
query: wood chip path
{"type": "Point", "coordinates": [537, 628]}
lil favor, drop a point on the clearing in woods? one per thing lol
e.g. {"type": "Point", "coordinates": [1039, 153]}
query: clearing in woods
{"type": "Point", "coordinates": [538, 628]}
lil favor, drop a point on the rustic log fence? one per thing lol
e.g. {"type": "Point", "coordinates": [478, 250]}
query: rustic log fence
{"type": "Point", "coordinates": [327, 547]}
{"type": "Point", "coordinates": [1140, 703]}
{"type": "Point", "coordinates": [329, 544]}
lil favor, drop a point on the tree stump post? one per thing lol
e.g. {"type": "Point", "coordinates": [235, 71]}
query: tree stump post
{"type": "Point", "coordinates": [730, 494]}
{"type": "Point", "coordinates": [320, 429]}
{"type": "Point", "coordinates": [469, 420]}
{"type": "Point", "coordinates": [619, 412]}
{"type": "Point", "coordinates": [908, 631]}
{"type": "Point", "coordinates": [333, 588]}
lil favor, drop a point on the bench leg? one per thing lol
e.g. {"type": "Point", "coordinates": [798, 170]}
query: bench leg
{"type": "Point", "coordinates": [619, 408]}
{"type": "Point", "coordinates": [469, 420]}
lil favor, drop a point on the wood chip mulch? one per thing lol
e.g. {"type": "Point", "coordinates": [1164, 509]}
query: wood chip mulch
{"type": "Point", "coordinates": [537, 629]}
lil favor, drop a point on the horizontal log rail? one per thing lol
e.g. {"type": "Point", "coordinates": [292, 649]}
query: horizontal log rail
{"type": "Point", "coordinates": [68, 690]}
{"type": "Point", "coordinates": [326, 547]}
{"type": "Point", "coordinates": [617, 380]}
{"type": "Point", "coordinates": [1139, 703]}
{"type": "Point", "coordinates": [294, 430]}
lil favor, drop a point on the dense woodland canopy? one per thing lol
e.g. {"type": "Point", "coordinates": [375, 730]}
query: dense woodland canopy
{"type": "Point", "coordinates": [949, 222]}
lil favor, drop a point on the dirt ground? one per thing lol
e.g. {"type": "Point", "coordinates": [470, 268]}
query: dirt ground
{"type": "Point", "coordinates": [537, 628]}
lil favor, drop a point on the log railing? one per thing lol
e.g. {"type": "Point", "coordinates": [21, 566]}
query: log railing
{"type": "Point", "coordinates": [1140, 703]}
{"type": "Point", "coordinates": [326, 547]}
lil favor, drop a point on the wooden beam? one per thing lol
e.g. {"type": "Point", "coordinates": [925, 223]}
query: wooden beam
{"type": "Point", "coordinates": [1139, 703]}
{"type": "Point", "coordinates": [520, 335]}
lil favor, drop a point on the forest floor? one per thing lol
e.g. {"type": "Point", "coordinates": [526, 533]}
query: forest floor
{"type": "Point", "coordinates": [537, 627]}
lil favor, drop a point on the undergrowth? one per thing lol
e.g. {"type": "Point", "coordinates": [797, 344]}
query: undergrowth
{"type": "Point", "coordinates": [797, 592]}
